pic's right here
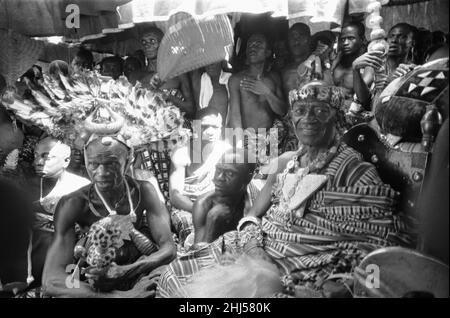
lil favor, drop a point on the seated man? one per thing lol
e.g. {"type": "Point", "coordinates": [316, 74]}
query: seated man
{"type": "Point", "coordinates": [111, 194]}
{"type": "Point", "coordinates": [320, 212]}
{"type": "Point", "coordinates": [192, 171]}
{"type": "Point", "coordinates": [51, 159]}
{"type": "Point", "coordinates": [256, 97]}
{"type": "Point", "coordinates": [219, 211]}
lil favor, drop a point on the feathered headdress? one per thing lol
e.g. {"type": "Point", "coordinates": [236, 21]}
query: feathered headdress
{"type": "Point", "coordinates": [72, 108]}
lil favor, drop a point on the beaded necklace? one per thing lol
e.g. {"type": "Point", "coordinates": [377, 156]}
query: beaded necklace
{"type": "Point", "coordinates": [316, 165]}
{"type": "Point", "coordinates": [112, 212]}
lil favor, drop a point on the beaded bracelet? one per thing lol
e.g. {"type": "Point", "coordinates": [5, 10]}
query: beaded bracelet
{"type": "Point", "coordinates": [251, 219]}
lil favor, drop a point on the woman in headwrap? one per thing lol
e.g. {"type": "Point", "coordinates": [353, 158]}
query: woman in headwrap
{"type": "Point", "coordinates": [321, 211]}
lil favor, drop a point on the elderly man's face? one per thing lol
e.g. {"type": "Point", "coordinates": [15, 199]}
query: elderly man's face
{"type": "Point", "coordinates": [150, 42]}
{"type": "Point", "coordinates": [314, 122]}
{"type": "Point", "coordinates": [51, 158]}
{"type": "Point", "coordinates": [106, 163]}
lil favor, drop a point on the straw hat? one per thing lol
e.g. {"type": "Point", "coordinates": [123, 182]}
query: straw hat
{"type": "Point", "coordinates": [192, 43]}
{"type": "Point", "coordinates": [17, 54]}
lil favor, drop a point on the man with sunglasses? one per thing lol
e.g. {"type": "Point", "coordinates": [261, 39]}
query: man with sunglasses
{"type": "Point", "coordinates": [320, 212]}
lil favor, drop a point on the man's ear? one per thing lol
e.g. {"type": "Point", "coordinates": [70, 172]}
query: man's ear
{"type": "Point", "coordinates": [66, 162]}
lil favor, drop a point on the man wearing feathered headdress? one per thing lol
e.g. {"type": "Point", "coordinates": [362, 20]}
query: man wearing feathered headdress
{"type": "Point", "coordinates": [118, 252]}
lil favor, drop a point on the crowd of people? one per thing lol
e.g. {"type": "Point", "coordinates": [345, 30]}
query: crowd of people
{"type": "Point", "coordinates": [312, 210]}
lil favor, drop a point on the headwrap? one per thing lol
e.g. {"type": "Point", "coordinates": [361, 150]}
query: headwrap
{"type": "Point", "coordinates": [320, 91]}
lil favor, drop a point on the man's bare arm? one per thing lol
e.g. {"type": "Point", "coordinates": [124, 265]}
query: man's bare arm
{"type": "Point", "coordinates": [60, 253]}
{"type": "Point", "coordinates": [263, 200]}
{"type": "Point", "coordinates": [188, 105]}
{"type": "Point", "coordinates": [180, 159]}
{"type": "Point", "coordinates": [361, 83]}
{"type": "Point", "coordinates": [235, 102]}
{"type": "Point", "coordinates": [159, 223]}
{"type": "Point", "coordinates": [201, 208]}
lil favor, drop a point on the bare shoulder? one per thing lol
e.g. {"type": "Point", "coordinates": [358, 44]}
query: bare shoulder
{"type": "Point", "coordinates": [71, 209]}
{"type": "Point", "coordinates": [180, 156]}
{"type": "Point", "coordinates": [146, 188]}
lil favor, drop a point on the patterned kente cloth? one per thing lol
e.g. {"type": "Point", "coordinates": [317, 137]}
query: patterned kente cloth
{"type": "Point", "coordinates": [351, 216]}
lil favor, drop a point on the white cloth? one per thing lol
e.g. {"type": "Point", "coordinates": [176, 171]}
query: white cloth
{"type": "Point", "coordinates": [206, 87]}
{"type": "Point", "coordinates": [67, 183]}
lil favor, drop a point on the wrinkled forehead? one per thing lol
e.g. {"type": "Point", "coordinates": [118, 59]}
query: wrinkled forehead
{"type": "Point", "coordinates": [111, 149]}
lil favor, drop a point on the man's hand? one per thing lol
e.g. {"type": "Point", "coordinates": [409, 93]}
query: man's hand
{"type": "Point", "coordinates": [204, 202]}
{"type": "Point", "coordinates": [107, 279]}
{"type": "Point", "coordinates": [155, 81]}
{"type": "Point", "coordinates": [321, 49]}
{"type": "Point", "coordinates": [144, 288]}
{"type": "Point", "coordinates": [381, 81]}
{"type": "Point", "coordinates": [257, 86]}
{"type": "Point", "coordinates": [371, 59]}
{"type": "Point", "coordinates": [403, 69]}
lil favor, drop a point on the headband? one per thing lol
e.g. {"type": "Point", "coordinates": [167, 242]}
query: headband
{"type": "Point", "coordinates": [320, 91]}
